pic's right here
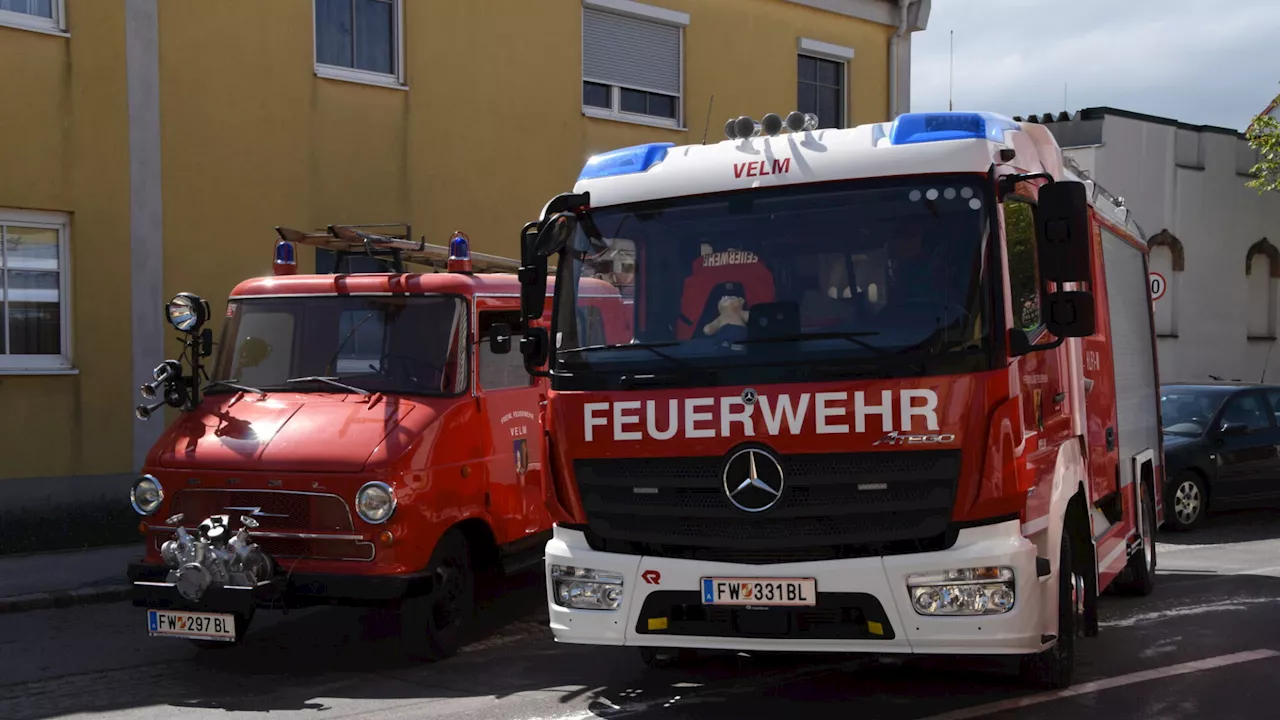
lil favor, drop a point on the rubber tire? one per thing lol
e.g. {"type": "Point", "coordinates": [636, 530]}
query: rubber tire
{"type": "Point", "coordinates": [1053, 669]}
{"type": "Point", "coordinates": [1140, 578]}
{"type": "Point", "coordinates": [664, 658]}
{"type": "Point", "coordinates": [1171, 516]}
{"type": "Point", "coordinates": [420, 630]}
{"type": "Point", "coordinates": [242, 627]}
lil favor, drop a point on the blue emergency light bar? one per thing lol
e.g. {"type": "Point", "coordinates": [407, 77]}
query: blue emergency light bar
{"type": "Point", "coordinates": [912, 128]}
{"type": "Point", "coordinates": [625, 161]}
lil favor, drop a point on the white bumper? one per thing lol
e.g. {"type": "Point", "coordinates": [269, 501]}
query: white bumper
{"type": "Point", "coordinates": [1018, 631]}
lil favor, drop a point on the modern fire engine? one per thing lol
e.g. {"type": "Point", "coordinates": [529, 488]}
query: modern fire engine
{"type": "Point", "coordinates": [889, 389]}
{"type": "Point", "coordinates": [363, 439]}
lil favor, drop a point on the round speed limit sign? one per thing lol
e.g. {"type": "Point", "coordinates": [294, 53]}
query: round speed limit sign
{"type": "Point", "coordinates": [1158, 286]}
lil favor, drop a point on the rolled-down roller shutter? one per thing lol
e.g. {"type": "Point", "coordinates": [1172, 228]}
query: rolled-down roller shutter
{"type": "Point", "coordinates": [628, 52]}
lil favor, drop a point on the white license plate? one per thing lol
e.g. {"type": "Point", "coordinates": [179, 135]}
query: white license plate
{"type": "Point", "coordinates": [192, 625]}
{"type": "Point", "coordinates": [760, 592]}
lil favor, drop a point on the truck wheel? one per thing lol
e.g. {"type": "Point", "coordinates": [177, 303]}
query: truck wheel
{"type": "Point", "coordinates": [1052, 669]}
{"type": "Point", "coordinates": [1188, 501]}
{"type": "Point", "coordinates": [432, 625]}
{"type": "Point", "coordinates": [663, 658]}
{"type": "Point", "coordinates": [1141, 570]}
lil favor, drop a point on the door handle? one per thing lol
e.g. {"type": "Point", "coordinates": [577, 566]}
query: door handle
{"type": "Point", "coordinates": [1111, 439]}
{"type": "Point", "coordinates": [1059, 397]}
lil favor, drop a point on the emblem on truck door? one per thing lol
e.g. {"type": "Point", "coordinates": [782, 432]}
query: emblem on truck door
{"type": "Point", "coordinates": [753, 480]}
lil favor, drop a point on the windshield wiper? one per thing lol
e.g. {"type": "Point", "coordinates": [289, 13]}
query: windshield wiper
{"type": "Point", "coordinates": [853, 337]}
{"type": "Point", "coordinates": [651, 347]}
{"type": "Point", "coordinates": [332, 381]}
{"type": "Point", "coordinates": [235, 386]}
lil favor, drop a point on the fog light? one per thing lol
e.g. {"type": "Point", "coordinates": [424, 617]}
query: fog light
{"type": "Point", "coordinates": [586, 589]}
{"type": "Point", "coordinates": [967, 591]}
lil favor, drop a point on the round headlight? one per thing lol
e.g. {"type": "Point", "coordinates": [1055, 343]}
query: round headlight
{"type": "Point", "coordinates": [375, 502]}
{"type": "Point", "coordinates": [187, 312]}
{"type": "Point", "coordinates": [146, 495]}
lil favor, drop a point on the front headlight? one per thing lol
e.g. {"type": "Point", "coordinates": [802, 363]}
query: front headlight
{"type": "Point", "coordinates": [586, 589]}
{"type": "Point", "coordinates": [146, 495]}
{"type": "Point", "coordinates": [187, 312]}
{"type": "Point", "coordinates": [967, 591]}
{"type": "Point", "coordinates": [375, 502]}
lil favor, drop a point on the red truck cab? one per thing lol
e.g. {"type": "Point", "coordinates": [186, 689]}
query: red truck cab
{"type": "Point", "coordinates": [363, 439]}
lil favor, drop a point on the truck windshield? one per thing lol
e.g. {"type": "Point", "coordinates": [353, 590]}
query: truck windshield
{"type": "Point", "coordinates": [409, 345]}
{"type": "Point", "coordinates": [862, 277]}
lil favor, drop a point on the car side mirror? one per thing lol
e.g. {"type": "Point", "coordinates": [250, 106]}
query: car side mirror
{"type": "Point", "coordinates": [532, 275]}
{"type": "Point", "coordinates": [535, 346]}
{"type": "Point", "coordinates": [206, 342]}
{"type": "Point", "coordinates": [1070, 313]}
{"type": "Point", "coordinates": [1234, 429]}
{"type": "Point", "coordinates": [500, 339]}
{"type": "Point", "coordinates": [1062, 233]}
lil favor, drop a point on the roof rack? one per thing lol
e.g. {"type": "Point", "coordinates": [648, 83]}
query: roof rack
{"type": "Point", "coordinates": [356, 240]}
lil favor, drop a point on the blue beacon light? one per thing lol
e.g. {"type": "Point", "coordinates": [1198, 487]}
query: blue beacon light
{"type": "Point", "coordinates": [913, 128]}
{"type": "Point", "coordinates": [625, 161]}
{"type": "Point", "coordinates": [459, 253]}
{"type": "Point", "coordinates": [286, 261]}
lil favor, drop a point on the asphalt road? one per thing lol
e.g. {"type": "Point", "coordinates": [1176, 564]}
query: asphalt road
{"type": "Point", "coordinates": [1206, 644]}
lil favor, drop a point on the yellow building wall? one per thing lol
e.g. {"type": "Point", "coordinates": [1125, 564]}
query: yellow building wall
{"type": "Point", "coordinates": [488, 130]}
{"type": "Point", "coordinates": [64, 147]}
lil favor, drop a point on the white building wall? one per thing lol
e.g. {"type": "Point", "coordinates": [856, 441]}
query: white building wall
{"type": "Point", "coordinates": [1213, 319]}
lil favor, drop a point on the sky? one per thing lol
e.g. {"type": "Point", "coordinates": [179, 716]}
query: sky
{"type": "Point", "coordinates": [1197, 61]}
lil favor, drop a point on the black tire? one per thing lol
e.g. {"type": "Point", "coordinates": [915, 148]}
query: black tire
{"type": "Point", "coordinates": [1053, 669]}
{"type": "Point", "coordinates": [663, 658]}
{"type": "Point", "coordinates": [1188, 501]}
{"type": "Point", "coordinates": [1140, 574]}
{"type": "Point", "coordinates": [433, 626]}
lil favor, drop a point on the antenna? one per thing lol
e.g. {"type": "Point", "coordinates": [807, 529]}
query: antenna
{"type": "Point", "coordinates": [1065, 107]}
{"type": "Point", "coordinates": [951, 71]}
{"type": "Point", "coordinates": [707, 125]}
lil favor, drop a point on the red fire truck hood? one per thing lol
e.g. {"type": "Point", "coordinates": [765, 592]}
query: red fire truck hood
{"type": "Point", "coordinates": [924, 413]}
{"type": "Point", "coordinates": [295, 432]}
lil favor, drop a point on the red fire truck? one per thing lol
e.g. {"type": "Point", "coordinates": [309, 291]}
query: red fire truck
{"type": "Point", "coordinates": [364, 438]}
{"type": "Point", "coordinates": [886, 389]}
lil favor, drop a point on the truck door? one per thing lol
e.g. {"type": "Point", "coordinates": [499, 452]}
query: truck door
{"type": "Point", "coordinates": [509, 406]}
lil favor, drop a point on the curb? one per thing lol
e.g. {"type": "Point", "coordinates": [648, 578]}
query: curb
{"type": "Point", "coordinates": [64, 598]}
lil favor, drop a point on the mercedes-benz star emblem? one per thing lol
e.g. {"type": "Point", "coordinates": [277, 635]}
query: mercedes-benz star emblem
{"type": "Point", "coordinates": [749, 396]}
{"type": "Point", "coordinates": [753, 480]}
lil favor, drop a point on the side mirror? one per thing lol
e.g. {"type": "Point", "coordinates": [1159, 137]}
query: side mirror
{"type": "Point", "coordinates": [1070, 313]}
{"type": "Point", "coordinates": [535, 345]}
{"type": "Point", "coordinates": [532, 275]}
{"type": "Point", "coordinates": [500, 339]}
{"type": "Point", "coordinates": [206, 342]}
{"type": "Point", "coordinates": [1062, 233]}
{"type": "Point", "coordinates": [1229, 428]}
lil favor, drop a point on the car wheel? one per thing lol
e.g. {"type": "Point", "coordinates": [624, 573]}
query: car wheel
{"type": "Point", "coordinates": [1053, 669]}
{"type": "Point", "coordinates": [1188, 500]}
{"type": "Point", "coordinates": [433, 625]}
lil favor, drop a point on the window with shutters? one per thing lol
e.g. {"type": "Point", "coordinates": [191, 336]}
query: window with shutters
{"type": "Point", "coordinates": [43, 15]}
{"type": "Point", "coordinates": [632, 62]}
{"type": "Point", "coordinates": [34, 328]}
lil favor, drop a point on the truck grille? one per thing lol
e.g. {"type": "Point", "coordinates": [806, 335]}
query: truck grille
{"type": "Point", "coordinates": [833, 505]}
{"type": "Point", "coordinates": [837, 616]}
{"type": "Point", "coordinates": [277, 510]}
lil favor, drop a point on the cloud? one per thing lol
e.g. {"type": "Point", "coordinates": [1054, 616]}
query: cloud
{"type": "Point", "coordinates": [1198, 62]}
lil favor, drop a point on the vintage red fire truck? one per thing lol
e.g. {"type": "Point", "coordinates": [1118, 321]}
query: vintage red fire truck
{"type": "Point", "coordinates": [886, 389]}
{"type": "Point", "coordinates": [364, 438]}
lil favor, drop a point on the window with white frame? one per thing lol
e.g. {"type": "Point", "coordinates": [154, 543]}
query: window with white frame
{"type": "Point", "coordinates": [359, 40]}
{"type": "Point", "coordinates": [821, 81]}
{"type": "Point", "coordinates": [33, 14]}
{"type": "Point", "coordinates": [33, 290]}
{"type": "Point", "coordinates": [632, 61]}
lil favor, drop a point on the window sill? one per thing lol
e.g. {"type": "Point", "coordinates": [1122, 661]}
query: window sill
{"type": "Point", "coordinates": [329, 72]}
{"type": "Point", "coordinates": [602, 114]}
{"type": "Point", "coordinates": [39, 371]}
{"type": "Point", "coordinates": [44, 28]}
{"type": "Point", "coordinates": [1167, 335]}
{"type": "Point", "coordinates": [1261, 338]}
{"type": "Point", "coordinates": [1197, 168]}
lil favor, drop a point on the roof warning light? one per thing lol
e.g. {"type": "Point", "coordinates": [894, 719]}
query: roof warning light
{"type": "Point", "coordinates": [286, 262]}
{"type": "Point", "coordinates": [459, 253]}
{"type": "Point", "coordinates": [911, 128]}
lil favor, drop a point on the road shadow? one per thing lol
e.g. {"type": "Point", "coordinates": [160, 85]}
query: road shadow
{"type": "Point", "coordinates": [1228, 526]}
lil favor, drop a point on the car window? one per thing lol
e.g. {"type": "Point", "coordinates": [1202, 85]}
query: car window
{"type": "Point", "coordinates": [1248, 410]}
{"type": "Point", "coordinates": [505, 370]}
{"type": "Point", "coordinates": [1273, 397]}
